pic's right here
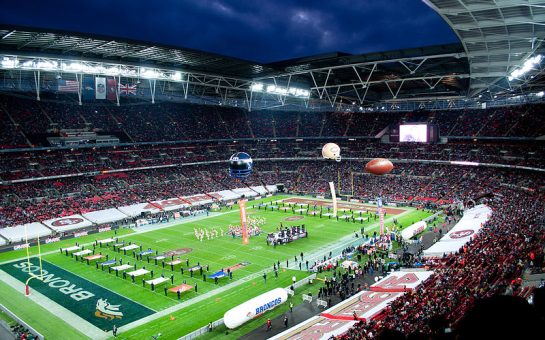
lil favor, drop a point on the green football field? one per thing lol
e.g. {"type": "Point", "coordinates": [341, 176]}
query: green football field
{"type": "Point", "coordinates": [146, 313]}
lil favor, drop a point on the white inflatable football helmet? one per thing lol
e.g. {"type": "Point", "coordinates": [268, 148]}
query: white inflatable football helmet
{"type": "Point", "coordinates": [331, 151]}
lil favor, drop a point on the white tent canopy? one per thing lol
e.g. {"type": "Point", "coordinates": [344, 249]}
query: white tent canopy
{"type": "Point", "coordinates": [105, 216]}
{"type": "Point", "coordinates": [468, 226]}
{"type": "Point", "coordinates": [17, 233]}
{"type": "Point", "coordinates": [68, 223]}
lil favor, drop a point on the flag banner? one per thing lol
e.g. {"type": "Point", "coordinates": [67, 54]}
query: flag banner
{"type": "Point", "coordinates": [127, 89]}
{"type": "Point", "coordinates": [333, 197]}
{"type": "Point", "coordinates": [71, 86]}
{"type": "Point", "coordinates": [380, 215]}
{"type": "Point", "coordinates": [88, 88]}
{"type": "Point", "coordinates": [112, 89]}
{"type": "Point", "coordinates": [243, 221]}
{"type": "Point", "coordinates": [100, 88]}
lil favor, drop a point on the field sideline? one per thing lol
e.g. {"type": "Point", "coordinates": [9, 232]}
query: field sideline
{"type": "Point", "coordinates": [172, 317]}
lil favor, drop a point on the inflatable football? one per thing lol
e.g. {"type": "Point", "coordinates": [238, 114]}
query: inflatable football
{"type": "Point", "coordinates": [379, 166]}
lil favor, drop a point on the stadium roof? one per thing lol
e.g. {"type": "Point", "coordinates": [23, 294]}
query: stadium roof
{"type": "Point", "coordinates": [411, 73]}
{"type": "Point", "coordinates": [99, 48]}
{"type": "Point", "coordinates": [497, 37]}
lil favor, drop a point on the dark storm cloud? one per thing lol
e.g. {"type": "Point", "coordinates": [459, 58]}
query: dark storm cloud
{"type": "Point", "coordinates": [255, 30]}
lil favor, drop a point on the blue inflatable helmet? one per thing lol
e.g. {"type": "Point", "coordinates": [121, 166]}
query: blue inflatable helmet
{"type": "Point", "coordinates": [240, 165]}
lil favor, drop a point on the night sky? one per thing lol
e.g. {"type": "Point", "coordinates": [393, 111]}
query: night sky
{"type": "Point", "coordinates": [256, 30]}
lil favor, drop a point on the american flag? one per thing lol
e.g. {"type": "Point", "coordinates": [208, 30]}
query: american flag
{"type": "Point", "coordinates": [127, 89]}
{"type": "Point", "coordinates": [68, 85]}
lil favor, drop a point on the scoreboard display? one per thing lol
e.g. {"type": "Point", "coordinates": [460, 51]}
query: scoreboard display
{"type": "Point", "coordinates": [415, 133]}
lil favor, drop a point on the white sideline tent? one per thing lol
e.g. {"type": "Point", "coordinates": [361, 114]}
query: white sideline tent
{"type": "Point", "coordinates": [317, 327]}
{"type": "Point", "coordinates": [260, 189]}
{"type": "Point", "coordinates": [68, 223]}
{"type": "Point", "coordinates": [134, 210]}
{"type": "Point", "coordinates": [226, 195]}
{"type": "Point", "coordinates": [153, 207]}
{"type": "Point", "coordinates": [468, 226]}
{"type": "Point", "coordinates": [272, 188]}
{"type": "Point", "coordinates": [17, 233]}
{"type": "Point", "coordinates": [401, 280]}
{"type": "Point", "coordinates": [105, 216]}
{"type": "Point", "coordinates": [171, 204]}
{"type": "Point", "coordinates": [198, 199]}
{"type": "Point", "coordinates": [247, 192]}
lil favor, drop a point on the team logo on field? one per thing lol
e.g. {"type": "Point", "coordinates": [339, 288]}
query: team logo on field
{"type": "Point", "coordinates": [106, 310]}
{"type": "Point", "coordinates": [293, 218]}
{"type": "Point", "coordinates": [67, 221]}
{"type": "Point", "coordinates": [178, 252]}
{"type": "Point", "coordinates": [461, 233]}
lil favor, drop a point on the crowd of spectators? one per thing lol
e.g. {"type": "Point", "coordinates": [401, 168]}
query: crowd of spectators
{"type": "Point", "coordinates": [138, 122]}
{"type": "Point", "coordinates": [20, 332]}
{"type": "Point", "coordinates": [29, 201]}
{"type": "Point", "coordinates": [18, 165]}
{"type": "Point", "coordinates": [510, 244]}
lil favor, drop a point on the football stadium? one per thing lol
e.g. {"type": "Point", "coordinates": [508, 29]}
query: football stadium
{"type": "Point", "coordinates": [154, 191]}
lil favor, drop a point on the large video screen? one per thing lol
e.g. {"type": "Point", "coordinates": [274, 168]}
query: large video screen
{"type": "Point", "coordinates": [413, 133]}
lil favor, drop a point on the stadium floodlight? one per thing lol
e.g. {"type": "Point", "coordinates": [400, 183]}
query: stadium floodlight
{"type": "Point", "coordinates": [149, 73]}
{"type": "Point", "coordinates": [528, 65]}
{"type": "Point", "coordinates": [111, 71]}
{"type": "Point", "coordinates": [176, 76]}
{"type": "Point", "coordinates": [280, 90]}
{"type": "Point", "coordinates": [256, 87]}
{"type": "Point", "coordinates": [47, 65]}
{"type": "Point", "coordinates": [9, 63]}
{"type": "Point", "coordinates": [74, 67]}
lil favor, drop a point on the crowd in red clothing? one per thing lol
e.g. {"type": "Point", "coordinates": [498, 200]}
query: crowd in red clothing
{"type": "Point", "coordinates": [510, 243]}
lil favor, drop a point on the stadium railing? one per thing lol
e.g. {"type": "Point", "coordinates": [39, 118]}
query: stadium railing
{"type": "Point", "coordinates": [21, 322]}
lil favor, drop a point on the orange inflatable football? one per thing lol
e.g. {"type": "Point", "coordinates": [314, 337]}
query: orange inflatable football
{"type": "Point", "coordinates": [379, 166]}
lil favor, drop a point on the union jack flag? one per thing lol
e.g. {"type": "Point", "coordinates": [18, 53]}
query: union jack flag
{"type": "Point", "coordinates": [127, 89]}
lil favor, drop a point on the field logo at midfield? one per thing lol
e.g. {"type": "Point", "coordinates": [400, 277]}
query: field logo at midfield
{"type": "Point", "coordinates": [178, 252]}
{"type": "Point", "coordinates": [293, 218]}
{"type": "Point", "coordinates": [106, 310]}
